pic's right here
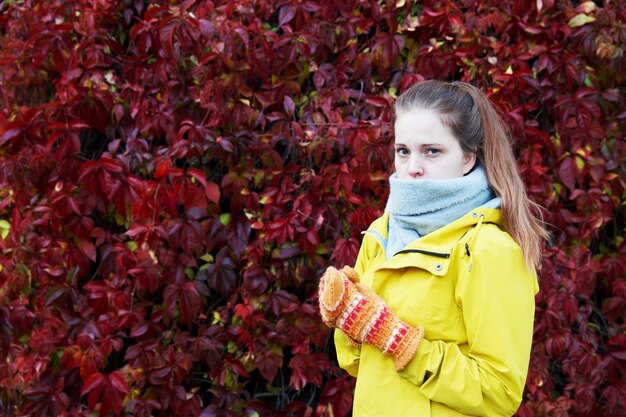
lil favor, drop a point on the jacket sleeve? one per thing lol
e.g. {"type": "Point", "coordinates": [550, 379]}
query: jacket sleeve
{"type": "Point", "coordinates": [486, 376]}
{"type": "Point", "coordinates": [349, 356]}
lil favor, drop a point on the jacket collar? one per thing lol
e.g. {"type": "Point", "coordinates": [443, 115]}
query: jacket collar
{"type": "Point", "coordinates": [441, 240]}
{"type": "Point", "coordinates": [433, 252]}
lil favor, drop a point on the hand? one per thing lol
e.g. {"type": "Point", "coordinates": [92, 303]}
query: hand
{"type": "Point", "coordinates": [334, 293]}
{"type": "Point", "coordinates": [363, 316]}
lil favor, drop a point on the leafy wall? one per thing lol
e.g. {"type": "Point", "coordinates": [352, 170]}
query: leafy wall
{"type": "Point", "coordinates": [175, 176]}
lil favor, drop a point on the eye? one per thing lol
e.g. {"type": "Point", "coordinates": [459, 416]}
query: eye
{"type": "Point", "coordinates": [432, 151]}
{"type": "Point", "coordinates": [402, 151]}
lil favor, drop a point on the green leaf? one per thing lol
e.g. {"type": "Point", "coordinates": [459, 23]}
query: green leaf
{"type": "Point", "coordinates": [207, 257]}
{"type": "Point", "coordinates": [580, 20]}
{"type": "Point", "coordinates": [225, 218]}
{"type": "Point", "coordinates": [5, 228]}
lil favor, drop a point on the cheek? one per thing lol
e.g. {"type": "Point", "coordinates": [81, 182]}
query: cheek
{"type": "Point", "coordinates": [451, 168]}
{"type": "Point", "coordinates": [396, 162]}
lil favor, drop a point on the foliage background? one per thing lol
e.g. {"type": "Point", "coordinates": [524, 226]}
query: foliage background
{"type": "Point", "coordinates": [174, 176]}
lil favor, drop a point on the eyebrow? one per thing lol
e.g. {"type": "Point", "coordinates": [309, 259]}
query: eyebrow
{"type": "Point", "coordinates": [421, 146]}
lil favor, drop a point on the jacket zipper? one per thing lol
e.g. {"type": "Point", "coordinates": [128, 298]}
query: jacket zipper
{"type": "Point", "coordinates": [425, 252]}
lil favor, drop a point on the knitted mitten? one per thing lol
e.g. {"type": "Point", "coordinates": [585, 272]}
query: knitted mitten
{"type": "Point", "coordinates": [364, 317]}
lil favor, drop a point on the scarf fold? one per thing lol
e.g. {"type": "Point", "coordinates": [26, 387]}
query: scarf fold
{"type": "Point", "coordinates": [418, 207]}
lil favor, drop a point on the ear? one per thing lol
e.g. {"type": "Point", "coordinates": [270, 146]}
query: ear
{"type": "Point", "coordinates": [469, 159]}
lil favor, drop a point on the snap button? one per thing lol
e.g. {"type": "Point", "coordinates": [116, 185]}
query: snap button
{"type": "Point", "coordinates": [438, 267]}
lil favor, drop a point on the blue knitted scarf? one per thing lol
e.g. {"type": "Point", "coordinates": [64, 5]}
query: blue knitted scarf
{"type": "Point", "coordinates": [418, 207]}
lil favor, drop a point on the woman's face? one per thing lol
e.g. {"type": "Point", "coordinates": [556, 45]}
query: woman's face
{"type": "Point", "coordinates": [425, 148]}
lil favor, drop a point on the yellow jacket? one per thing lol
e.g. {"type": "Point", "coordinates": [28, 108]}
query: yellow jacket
{"type": "Point", "coordinates": [468, 285]}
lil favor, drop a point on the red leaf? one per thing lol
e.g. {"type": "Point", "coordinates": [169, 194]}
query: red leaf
{"type": "Point", "coordinates": [118, 382]}
{"type": "Point", "coordinates": [118, 112]}
{"type": "Point", "coordinates": [162, 169]}
{"type": "Point", "coordinates": [619, 355]}
{"type": "Point", "coordinates": [212, 192]}
{"type": "Point", "coordinates": [87, 247]}
{"type": "Point", "coordinates": [286, 14]}
{"type": "Point", "coordinates": [378, 101]}
{"type": "Point", "coordinates": [9, 134]}
{"type": "Point", "coordinates": [94, 382]}
{"type": "Point", "coordinates": [268, 363]}
{"type": "Point", "coordinates": [255, 280]}
{"type": "Point", "coordinates": [136, 230]}
{"type": "Point", "coordinates": [109, 390]}
{"type": "Point", "coordinates": [312, 237]}
{"type": "Point", "coordinates": [287, 301]}
{"type": "Point", "coordinates": [611, 95]}
{"type": "Point", "coordinates": [211, 189]}
{"type": "Point", "coordinates": [338, 393]}
{"type": "Point", "coordinates": [222, 274]}
{"type": "Point", "coordinates": [346, 251]}
{"type": "Point", "coordinates": [139, 329]}
{"type": "Point", "coordinates": [71, 357]}
{"type": "Point", "coordinates": [170, 295]}
{"type": "Point", "coordinates": [87, 169]}
{"type": "Point", "coordinates": [289, 105]}
{"type": "Point", "coordinates": [243, 34]}
{"type": "Point", "coordinates": [238, 368]}
{"type": "Point", "coordinates": [190, 302]}
{"type": "Point", "coordinates": [306, 368]}
{"type": "Point", "coordinates": [243, 310]}
{"type": "Point", "coordinates": [53, 138]}
{"type": "Point", "coordinates": [111, 165]}
{"type": "Point", "coordinates": [567, 173]}
{"type": "Point", "coordinates": [166, 35]}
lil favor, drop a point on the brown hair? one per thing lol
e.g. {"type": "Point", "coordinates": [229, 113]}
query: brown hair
{"type": "Point", "coordinates": [473, 120]}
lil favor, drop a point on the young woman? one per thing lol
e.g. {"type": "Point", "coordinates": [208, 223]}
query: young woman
{"type": "Point", "coordinates": [436, 318]}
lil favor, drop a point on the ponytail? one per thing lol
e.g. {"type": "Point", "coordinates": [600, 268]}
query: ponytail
{"type": "Point", "coordinates": [522, 217]}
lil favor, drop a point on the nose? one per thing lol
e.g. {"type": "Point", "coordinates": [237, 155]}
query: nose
{"type": "Point", "coordinates": [416, 167]}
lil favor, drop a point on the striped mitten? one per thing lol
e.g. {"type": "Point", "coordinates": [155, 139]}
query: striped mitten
{"type": "Point", "coordinates": [363, 316]}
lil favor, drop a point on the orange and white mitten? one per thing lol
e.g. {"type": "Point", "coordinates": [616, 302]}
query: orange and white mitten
{"type": "Point", "coordinates": [363, 316]}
